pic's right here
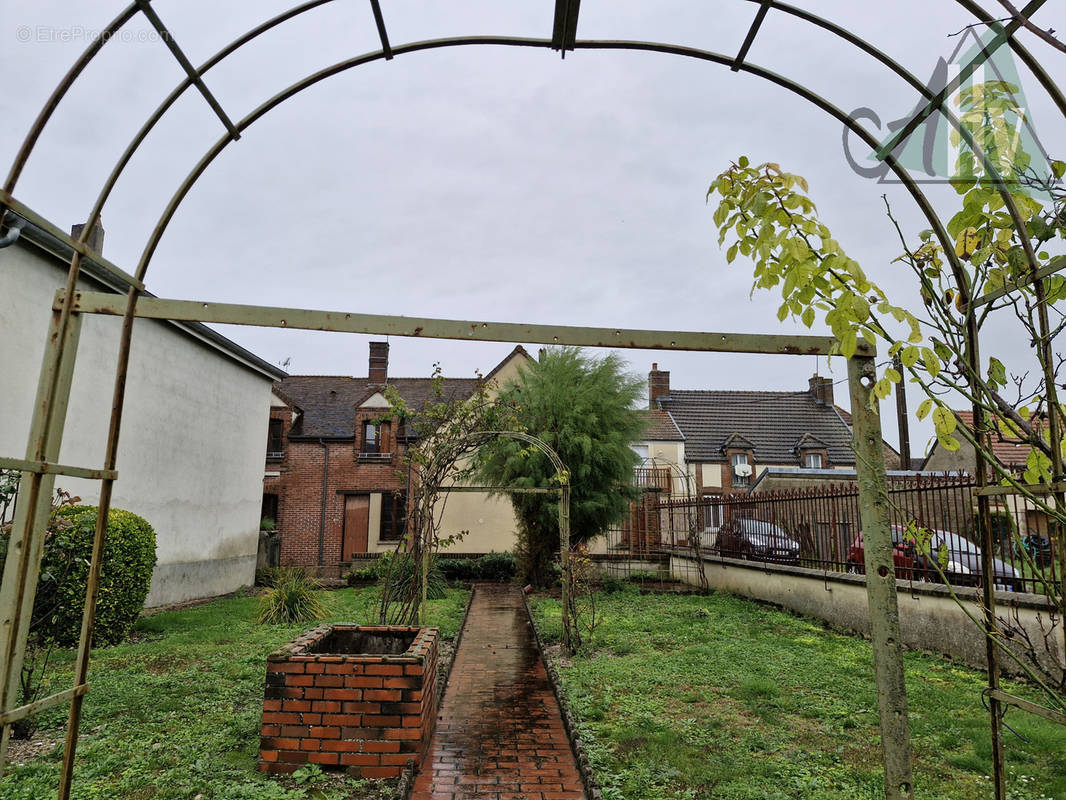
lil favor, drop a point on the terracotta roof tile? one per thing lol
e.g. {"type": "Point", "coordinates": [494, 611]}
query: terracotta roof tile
{"type": "Point", "coordinates": [661, 426]}
{"type": "Point", "coordinates": [1009, 452]}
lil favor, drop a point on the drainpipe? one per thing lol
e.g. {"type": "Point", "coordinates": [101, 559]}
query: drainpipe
{"type": "Point", "coordinates": [14, 230]}
{"type": "Point", "coordinates": [322, 519]}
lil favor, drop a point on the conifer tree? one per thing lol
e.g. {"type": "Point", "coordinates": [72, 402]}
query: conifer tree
{"type": "Point", "coordinates": [585, 409]}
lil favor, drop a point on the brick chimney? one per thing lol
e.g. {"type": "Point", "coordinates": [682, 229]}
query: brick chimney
{"type": "Point", "coordinates": [821, 389]}
{"type": "Point", "coordinates": [379, 363]}
{"type": "Point", "coordinates": [658, 385]}
{"type": "Point", "coordinates": [96, 238]}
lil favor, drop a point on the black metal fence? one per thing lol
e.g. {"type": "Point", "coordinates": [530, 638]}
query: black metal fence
{"type": "Point", "coordinates": [819, 527]}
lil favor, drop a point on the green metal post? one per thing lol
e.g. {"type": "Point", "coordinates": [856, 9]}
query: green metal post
{"type": "Point", "coordinates": [26, 546]}
{"type": "Point", "coordinates": [564, 560]}
{"type": "Point", "coordinates": [81, 667]}
{"type": "Point", "coordinates": [880, 580]}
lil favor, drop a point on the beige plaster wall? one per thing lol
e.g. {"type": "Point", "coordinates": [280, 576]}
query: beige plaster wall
{"type": "Point", "coordinates": [190, 457]}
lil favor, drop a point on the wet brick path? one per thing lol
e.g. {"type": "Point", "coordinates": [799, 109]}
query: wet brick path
{"type": "Point", "coordinates": [500, 734]}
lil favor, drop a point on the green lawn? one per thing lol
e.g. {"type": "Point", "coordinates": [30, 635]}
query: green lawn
{"type": "Point", "coordinates": [718, 697]}
{"type": "Point", "coordinates": [175, 713]}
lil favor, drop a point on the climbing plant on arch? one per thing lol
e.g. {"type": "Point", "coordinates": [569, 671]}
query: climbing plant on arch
{"type": "Point", "coordinates": [39, 463]}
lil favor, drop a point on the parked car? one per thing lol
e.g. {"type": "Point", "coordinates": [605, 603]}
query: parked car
{"type": "Point", "coordinates": [757, 540]}
{"type": "Point", "coordinates": [964, 563]}
{"type": "Point", "coordinates": [909, 565]}
{"type": "Point", "coordinates": [961, 565]}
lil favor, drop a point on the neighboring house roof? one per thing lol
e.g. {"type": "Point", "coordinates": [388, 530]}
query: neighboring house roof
{"type": "Point", "coordinates": [329, 402]}
{"type": "Point", "coordinates": [1009, 452]}
{"type": "Point", "coordinates": [661, 426]}
{"type": "Point", "coordinates": [771, 421]}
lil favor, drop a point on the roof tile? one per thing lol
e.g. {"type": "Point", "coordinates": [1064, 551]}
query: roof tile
{"type": "Point", "coordinates": [772, 421]}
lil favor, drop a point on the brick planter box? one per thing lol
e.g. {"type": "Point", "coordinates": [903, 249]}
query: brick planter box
{"type": "Point", "coordinates": [347, 696]}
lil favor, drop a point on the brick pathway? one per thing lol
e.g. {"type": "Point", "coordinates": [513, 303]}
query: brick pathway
{"type": "Point", "coordinates": [499, 735]}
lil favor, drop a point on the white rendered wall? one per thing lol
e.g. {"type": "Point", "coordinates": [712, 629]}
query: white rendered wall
{"type": "Point", "coordinates": [193, 436]}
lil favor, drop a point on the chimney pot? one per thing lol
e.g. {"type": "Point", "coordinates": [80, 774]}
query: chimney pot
{"type": "Point", "coordinates": [379, 363]}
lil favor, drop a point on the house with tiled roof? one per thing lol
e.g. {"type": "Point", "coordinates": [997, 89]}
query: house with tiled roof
{"type": "Point", "coordinates": [334, 480]}
{"type": "Point", "coordinates": [730, 437]}
{"type": "Point", "coordinates": [661, 451]}
{"type": "Point", "coordinates": [1009, 451]}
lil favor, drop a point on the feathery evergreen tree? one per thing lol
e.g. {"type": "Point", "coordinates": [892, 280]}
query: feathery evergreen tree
{"type": "Point", "coordinates": [585, 409]}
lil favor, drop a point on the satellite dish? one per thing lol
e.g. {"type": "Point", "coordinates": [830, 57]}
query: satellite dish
{"type": "Point", "coordinates": [742, 470]}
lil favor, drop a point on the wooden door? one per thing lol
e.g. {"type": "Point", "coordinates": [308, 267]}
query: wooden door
{"type": "Point", "coordinates": [356, 525]}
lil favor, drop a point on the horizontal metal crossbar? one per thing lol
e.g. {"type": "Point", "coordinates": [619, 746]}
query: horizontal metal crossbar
{"type": "Point", "coordinates": [48, 468]}
{"type": "Point", "coordinates": [1025, 705]}
{"type": "Point", "coordinates": [1039, 488]}
{"type": "Point", "coordinates": [34, 218]}
{"type": "Point", "coordinates": [16, 714]}
{"type": "Point", "coordinates": [468, 330]}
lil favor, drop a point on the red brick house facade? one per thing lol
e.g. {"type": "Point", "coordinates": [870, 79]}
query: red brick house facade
{"type": "Point", "coordinates": [334, 480]}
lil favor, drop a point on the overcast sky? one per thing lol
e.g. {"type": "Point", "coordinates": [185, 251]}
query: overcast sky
{"type": "Point", "coordinates": [478, 182]}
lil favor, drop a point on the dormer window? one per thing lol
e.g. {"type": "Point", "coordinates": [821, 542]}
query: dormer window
{"type": "Point", "coordinates": [741, 469]}
{"type": "Point", "coordinates": [811, 452]}
{"type": "Point", "coordinates": [371, 439]}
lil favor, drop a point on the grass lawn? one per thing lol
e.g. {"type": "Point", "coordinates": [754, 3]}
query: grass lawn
{"type": "Point", "coordinates": [175, 713]}
{"type": "Point", "coordinates": [718, 697]}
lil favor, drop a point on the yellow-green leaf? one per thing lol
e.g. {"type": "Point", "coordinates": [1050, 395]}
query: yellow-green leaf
{"type": "Point", "coordinates": [848, 343]}
{"type": "Point", "coordinates": [949, 443]}
{"type": "Point", "coordinates": [944, 420]}
{"type": "Point", "coordinates": [968, 242]}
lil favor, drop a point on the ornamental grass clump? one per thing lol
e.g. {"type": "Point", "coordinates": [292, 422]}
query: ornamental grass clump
{"type": "Point", "coordinates": [292, 597]}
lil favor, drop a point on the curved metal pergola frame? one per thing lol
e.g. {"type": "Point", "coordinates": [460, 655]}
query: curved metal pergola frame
{"type": "Point", "coordinates": [39, 466]}
{"type": "Point", "coordinates": [562, 488]}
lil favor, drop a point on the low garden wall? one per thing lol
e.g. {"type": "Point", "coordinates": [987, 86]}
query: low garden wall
{"type": "Point", "coordinates": [929, 618]}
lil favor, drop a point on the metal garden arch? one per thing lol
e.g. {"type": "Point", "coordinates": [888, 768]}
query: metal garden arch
{"type": "Point", "coordinates": [479, 438]}
{"type": "Point", "coordinates": [39, 467]}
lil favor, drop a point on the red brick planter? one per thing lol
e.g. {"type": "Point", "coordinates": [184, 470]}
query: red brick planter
{"type": "Point", "coordinates": [360, 697]}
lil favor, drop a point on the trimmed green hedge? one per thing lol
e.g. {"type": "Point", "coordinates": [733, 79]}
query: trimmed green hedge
{"type": "Point", "coordinates": [499, 567]}
{"type": "Point", "coordinates": [129, 558]}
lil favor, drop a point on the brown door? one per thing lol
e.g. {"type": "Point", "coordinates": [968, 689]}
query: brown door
{"type": "Point", "coordinates": [356, 525]}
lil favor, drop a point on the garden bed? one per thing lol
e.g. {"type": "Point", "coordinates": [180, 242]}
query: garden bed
{"type": "Point", "coordinates": [147, 736]}
{"type": "Point", "coordinates": [719, 697]}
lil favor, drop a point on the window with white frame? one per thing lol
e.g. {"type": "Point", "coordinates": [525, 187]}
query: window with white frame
{"type": "Point", "coordinates": [712, 511]}
{"type": "Point", "coordinates": [740, 460]}
{"type": "Point", "coordinates": [813, 461]}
